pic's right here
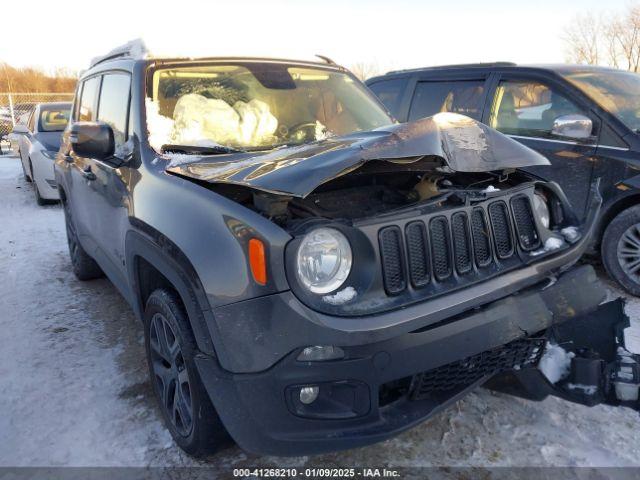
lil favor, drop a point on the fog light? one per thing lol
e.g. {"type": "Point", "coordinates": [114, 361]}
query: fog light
{"type": "Point", "coordinates": [309, 394]}
{"type": "Point", "coordinates": [320, 353]}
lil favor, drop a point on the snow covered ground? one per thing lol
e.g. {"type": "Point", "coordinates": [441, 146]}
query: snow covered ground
{"type": "Point", "coordinates": [74, 390]}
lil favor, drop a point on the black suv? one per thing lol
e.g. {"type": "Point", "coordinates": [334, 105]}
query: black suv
{"type": "Point", "coordinates": [313, 276]}
{"type": "Point", "coordinates": [584, 119]}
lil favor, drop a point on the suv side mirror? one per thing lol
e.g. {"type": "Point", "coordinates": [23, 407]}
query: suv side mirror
{"type": "Point", "coordinates": [92, 139]}
{"type": "Point", "coordinates": [21, 129]}
{"type": "Point", "coordinates": [573, 126]}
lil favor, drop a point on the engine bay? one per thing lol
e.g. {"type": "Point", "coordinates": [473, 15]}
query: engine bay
{"type": "Point", "coordinates": [372, 191]}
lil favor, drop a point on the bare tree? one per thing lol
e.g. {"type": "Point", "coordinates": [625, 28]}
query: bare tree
{"type": "Point", "coordinates": [364, 70]}
{"type": "Point", "coordinates": [583, 38]}
{"type": "Point", "coordinates": [613, 41]}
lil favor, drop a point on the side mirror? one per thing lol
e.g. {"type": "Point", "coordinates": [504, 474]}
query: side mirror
{"type": "Point", "coordinates": [21, 129]}
{"type": "Point", "coordinates": [573, 126]}
{"type": "Point", "coordinates": [92, 140]}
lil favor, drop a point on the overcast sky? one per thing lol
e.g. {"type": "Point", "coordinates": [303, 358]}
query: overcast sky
{"type": "Point", "coordinates": [393, 34]}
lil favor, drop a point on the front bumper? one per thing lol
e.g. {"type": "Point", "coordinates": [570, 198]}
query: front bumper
{"type": "Point", "coordinates": [260, 410]}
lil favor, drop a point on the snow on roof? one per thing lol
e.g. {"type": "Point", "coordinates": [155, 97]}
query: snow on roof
{"type": "Point", "coordinates": [135, 50]}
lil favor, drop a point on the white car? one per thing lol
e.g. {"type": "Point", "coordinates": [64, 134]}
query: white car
{"type": "Point", "coordinates": [38, 143]}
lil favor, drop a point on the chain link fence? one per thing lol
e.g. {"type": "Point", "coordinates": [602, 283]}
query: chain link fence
{"type": "Point", "coordinates": [16, 108]}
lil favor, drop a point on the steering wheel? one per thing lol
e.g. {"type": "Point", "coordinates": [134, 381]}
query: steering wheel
{"type": "Point", "coordinates": [299, 129]}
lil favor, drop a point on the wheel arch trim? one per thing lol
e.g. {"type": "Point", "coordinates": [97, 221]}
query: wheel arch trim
{"type": "Point", "coordinates": [162, 254]}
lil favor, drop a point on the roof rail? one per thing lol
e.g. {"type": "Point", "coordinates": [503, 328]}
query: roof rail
{"type": "Point", "coordinates": [459, 65]}
{"type": "Point", "coordinates": [135, 49]}
{"type": "Point", "coordinates": [326, 59]}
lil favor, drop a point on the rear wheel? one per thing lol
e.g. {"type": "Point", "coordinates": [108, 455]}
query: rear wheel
{"type": "Point", "coordinates": [185, 405]}
{"type": "Point", "coordinates": [84, 267]}
{"type": "Point", "coordinates": [620, 249]}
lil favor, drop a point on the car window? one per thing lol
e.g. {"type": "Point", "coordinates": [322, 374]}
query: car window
{"type": "Point", "coordinates": [390, 93]}
{"type": "Point", "coordinates": [463, 97]}
{"type": "Point", "coordinates": [114, 104]}
{"type": "Point", "coordinates": [528, 108]}
{"type": "Point", "coordinates": [88, 100]}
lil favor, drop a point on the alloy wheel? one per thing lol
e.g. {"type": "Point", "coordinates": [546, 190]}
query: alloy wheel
{"type": "Point", "coordinates": [170, 374]}
{"type": "Point", "coordinates": [628, 252]}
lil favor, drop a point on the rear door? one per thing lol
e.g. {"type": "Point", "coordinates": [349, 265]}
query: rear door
{"type": "Point", "coordinates": [82, 203]}
{"type": "Point", "coordinates": [524, 106]}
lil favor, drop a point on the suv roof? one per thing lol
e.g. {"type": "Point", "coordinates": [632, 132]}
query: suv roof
{"type": "Point", "coordinates": [563, 68]}
{"type": "Point", "coordinates": [137, 50]}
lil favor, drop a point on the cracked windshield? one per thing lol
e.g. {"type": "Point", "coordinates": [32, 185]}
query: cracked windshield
{"type": "Point", "coordinates": [256, 106]}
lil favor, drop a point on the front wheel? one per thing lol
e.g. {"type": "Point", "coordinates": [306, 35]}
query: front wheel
{"type": "Point", "coordinates": [620, 249]}
{"type": "Point", "coordinates": [24, 172]}
{"type": "Point", "coordinates": [185, 405]}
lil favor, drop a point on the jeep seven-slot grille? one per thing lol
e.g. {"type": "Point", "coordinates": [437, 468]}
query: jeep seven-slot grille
{"type": "Point", "coordinates": [462, 244]}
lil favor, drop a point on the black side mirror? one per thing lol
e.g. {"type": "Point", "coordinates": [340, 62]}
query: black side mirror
{"type": "Point", "coordinates": [92, 139]}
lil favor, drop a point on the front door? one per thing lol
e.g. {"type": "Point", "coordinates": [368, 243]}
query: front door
{"type": "Point", "coordinates": [525, 109]}
{"type": "Point", "coordinates": [107, 181]}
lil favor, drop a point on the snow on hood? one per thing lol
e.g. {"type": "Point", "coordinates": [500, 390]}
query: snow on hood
{"type": "Point", "coordinates": [461, 143]}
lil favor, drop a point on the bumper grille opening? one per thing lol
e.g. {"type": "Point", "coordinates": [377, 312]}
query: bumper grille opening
{"type": "Point", "coordinates": [481, 239]}
{"type": "Point", "coordinates": [390, 239]}
{"type": "Point", "coordinates": [501, 225]}
{"type": "Point", "coordinates": [525, 224]}
{"type": "Point", "coordinates": [440, 242]}
{"type": "Point", "coordinates": [417, 250]}
{"type": "Point", "coordinates": [461, 247]}
{"type": "Point", "coordinates": [516, 354]}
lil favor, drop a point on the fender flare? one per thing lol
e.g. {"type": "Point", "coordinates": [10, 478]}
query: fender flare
{"type": "Point", "coordinates": [155, 248]}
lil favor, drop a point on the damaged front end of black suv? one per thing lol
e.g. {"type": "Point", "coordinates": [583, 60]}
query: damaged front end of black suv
{"type": "Point", "coordinates": [422, 263]}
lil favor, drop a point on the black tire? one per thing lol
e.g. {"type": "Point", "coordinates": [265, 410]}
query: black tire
{"type": "Point", "coordinates": [24, 172]}
{"type": "Point", "coordinates": [620, 249]}
{"type": "Point", "coordinates": [84, 267]}
{"type": "Point", "coordinates": [39, 200]}
{"type": "Point", "coordinates": [185, 405]}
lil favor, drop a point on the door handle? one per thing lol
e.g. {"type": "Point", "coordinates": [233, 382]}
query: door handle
{"type": "Point", "coordinates": [88, 174]}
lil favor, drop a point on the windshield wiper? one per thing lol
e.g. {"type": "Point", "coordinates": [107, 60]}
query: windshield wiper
{"type": "Point", "coordinates": [207, 150]}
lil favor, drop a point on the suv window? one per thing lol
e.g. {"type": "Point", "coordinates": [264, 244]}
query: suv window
{"type": "Point", "coordinates": [528, 108]}
{"type": "Point", "coordinates": [390, 93]}
{"type": "Point", "coordinates": [114, 104]}
{"type": "Point", "coordinates": [88, 99]}
{"type": "Point", "coordinates": [463, 97]}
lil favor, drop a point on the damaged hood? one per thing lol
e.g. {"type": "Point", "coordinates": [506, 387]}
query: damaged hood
{"type": "Point", "coordinates": [461, 143]}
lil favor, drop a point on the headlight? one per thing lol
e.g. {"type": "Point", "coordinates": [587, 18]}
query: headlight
{"type": "Point", "coordinates": [323, 260]}
{"type": "Point", "coordinates": [541, 209]}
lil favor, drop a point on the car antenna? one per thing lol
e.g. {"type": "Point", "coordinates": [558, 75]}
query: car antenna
{"type": "Point", "coordinates": [326, 59]}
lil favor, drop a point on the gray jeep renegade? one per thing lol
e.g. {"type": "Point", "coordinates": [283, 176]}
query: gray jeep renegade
{"type": "Point", "coordinates": [313, 276]}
